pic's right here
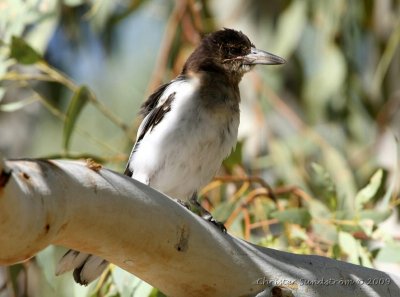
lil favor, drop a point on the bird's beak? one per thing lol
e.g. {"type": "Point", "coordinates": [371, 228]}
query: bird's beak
{"type": "Point", "coordinates": [257, 56]}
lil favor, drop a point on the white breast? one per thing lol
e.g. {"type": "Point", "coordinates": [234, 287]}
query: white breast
{"type": "Point", "coordinates": [185, 150]}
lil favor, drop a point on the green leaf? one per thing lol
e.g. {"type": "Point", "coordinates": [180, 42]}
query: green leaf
{"type": "Point", "coordinates": [23, 52]}
{"type": "Point", "coordinates": [79, 100]}
{"type": "Point", "coordinates": [299, 216]}
{"type": "Point", "coordinates": [324, 177]}
{"type": "Point", "coordinates": [378, 216]}
{"type": "Point", "coordinates": [340, 172]}
{"type": "Point", "coordinates": [327, 232]}
{"type": "Point", "coordinates": [325, 186]}
{"type": "Point", "coordinates": [349, 245]}
{"type": "Point", "coordinates": [357, 254]}
{"type": "Point", "coordinates": [369, 191]}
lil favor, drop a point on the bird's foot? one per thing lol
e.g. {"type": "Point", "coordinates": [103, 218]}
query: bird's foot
{"type": "Point", "coordinates": [208, 217]}
{"type": "Point", "coordinates": [199, 209]}
{"type": "Point", "coordinates": [218, 224]}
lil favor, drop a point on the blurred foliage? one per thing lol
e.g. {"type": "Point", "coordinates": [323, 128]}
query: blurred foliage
{"type": "Point", "coordinates": [316, 170]}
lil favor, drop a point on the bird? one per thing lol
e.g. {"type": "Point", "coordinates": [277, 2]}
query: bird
{"type": "Point", "coordinates": [189, 127]}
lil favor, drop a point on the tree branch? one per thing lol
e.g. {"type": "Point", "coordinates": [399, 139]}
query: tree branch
{"type": "Point", "coordinates": [95, 210]}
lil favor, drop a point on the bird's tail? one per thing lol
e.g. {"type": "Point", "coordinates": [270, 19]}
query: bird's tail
{"type": "Point", "coordinates": [86, 267]}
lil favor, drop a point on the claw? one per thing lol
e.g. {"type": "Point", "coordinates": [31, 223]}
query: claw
{"type": "Point", "coordinates": [218, 224]}
{"type": "Point", "coordinates": [205, 214]}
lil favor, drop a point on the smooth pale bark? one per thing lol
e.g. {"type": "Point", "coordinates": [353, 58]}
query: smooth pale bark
{"type": "Point", "coordinates": [98, 211]}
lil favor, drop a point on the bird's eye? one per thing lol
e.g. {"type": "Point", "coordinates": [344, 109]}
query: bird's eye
{"type": "Point", "coordinates": [235, 51]}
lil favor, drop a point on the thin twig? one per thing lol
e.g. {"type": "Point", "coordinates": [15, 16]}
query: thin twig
{"type": "Point", "coordinates": [295, 190]}
{"type": "Point", "coordinates": [247, 223]}
{"type": "Point", "coordinates": [264, 223]}
{"type": "Point", "coordinates": [251, 179]}
{"type": "Point", "coordinates": [260, 192]}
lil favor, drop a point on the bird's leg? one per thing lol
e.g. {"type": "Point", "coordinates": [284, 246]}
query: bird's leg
{"type": "Point", "coordinates": [204, 213]}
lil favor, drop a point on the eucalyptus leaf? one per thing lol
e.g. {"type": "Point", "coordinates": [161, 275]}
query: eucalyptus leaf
{"type": "Point", "coordinates": [78, 102]}
{"type": "Point", "coordinates": [23, 52]}
{"type": "Point", "coordinates": [343, 178]}
{"type": "Point", "coordinates": [299, 216]}
{"type": "Point", "coordinates": [349, 245]}
{"type": "Point", "coordinates": [369, 191]}
{"type": "Point", "coordinates": [378, 216]}
{"type": "Point", "coordinates": [327, 232]}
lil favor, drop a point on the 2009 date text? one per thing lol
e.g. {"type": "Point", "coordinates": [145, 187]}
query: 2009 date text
{"type": "Point", "coordinates": [323, 282]}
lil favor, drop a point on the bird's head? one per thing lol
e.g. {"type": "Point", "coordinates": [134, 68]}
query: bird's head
{"type": "Point", "coordinates": [230, 52]}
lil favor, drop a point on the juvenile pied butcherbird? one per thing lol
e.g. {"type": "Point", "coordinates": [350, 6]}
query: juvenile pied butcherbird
{"type": "Point", "coordinates": [190, 126]}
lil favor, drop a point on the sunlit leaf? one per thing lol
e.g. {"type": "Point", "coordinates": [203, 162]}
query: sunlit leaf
{"type": "Point", "coordinates": [78, 102]}
{"type": "Point", "coordinates": [357, 254]}
{"type": "Point", "coordinates": [23, 52]}
{"type": "Point", "coordinates": [369, 191]}
{"type": "Point", "coordinates": [349, 245]}
{"type": "Point", "coordinates": [364, 256]}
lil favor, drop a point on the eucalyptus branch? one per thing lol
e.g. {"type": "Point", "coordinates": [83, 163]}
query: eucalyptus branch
{"type": "Point", "coordinates": [94, 210]}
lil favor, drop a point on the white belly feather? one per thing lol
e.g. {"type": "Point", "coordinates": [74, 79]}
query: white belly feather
{"type": "Point", "coordinates": [185, 150]}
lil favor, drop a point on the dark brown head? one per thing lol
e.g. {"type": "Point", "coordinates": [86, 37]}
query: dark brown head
{"type": "Point", "coordinates": [228, 52]}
